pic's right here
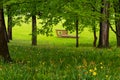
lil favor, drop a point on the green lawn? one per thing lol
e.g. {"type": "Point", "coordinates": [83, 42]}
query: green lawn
{"type": "Point", "coordinates": [58, 59]}
{"type": "Point", "coordinates": [22, 34]}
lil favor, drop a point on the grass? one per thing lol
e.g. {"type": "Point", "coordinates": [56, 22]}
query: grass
{"type": "Point", "coordinates": [53, 63]}
{"type": "Point", "coordinates": [58, 59]}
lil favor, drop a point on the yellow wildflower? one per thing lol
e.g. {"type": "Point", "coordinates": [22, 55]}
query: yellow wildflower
{"type": "Point", "coordinates": [101, 67]}
{"type": "Point", "coordinates": [106, 76]}
{"type": "Point", "coordinates": [43, 63]}
{"type": "Point", "coordinates": [101, 63]}
{"type": "Point", "coordinates": [95, 68]}
{"type": "Point", "coordinates": [94, 73]}
{"type": "Point", "coordinates": [91, 70]}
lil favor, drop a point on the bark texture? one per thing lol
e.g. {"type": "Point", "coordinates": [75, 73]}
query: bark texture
{"type": "Point", "coordinates": [34, 30]}
{"type": "Point", "coordinates": [95, 36]}
{"type": "Point", "coordinates": [4, 52]}
{"type": "Point", "coordinates": [104, 26]}
{"type": "Point", "coordinates": [9, 23]}
{"type": "Point", "coordinates": [77, 38]}
{"type": "Point", "coordinates": [117, 20]}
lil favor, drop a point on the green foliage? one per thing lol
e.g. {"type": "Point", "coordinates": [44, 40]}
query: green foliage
{"type": "Point", "coordinates": [53, 12]}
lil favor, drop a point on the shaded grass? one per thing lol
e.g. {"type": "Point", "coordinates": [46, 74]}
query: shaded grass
{"type": "Point", "coordinates": [57, 63]}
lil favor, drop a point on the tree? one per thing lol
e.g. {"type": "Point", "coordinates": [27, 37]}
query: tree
{"type": "Point", "coordinates": [117, 20]}
{"type": "Point", "coordinates": [31, 13]}
{"type": "Point", "coordinates": [67, 11]}
{"type": "Point", "coordinates": [104, 26]}
{"type": "Point", "coordinates": [52, 13]}
{"type": "Point", "coordinates": [94, 33]}
{"type": "Point", "coordinates": [34, 30]}
{"type": "Point", "coordinates": [4, 52]}
{"type": "Point", "coordinates": [86, 11]}
{"type": "Point", "coordinates": [77, 31]}
{"type": "Point", "coordinates": [9, 13]}
{"type": "Point", "coordinates": [34, 27]}
{"type": "Point", "coordinates": [23, 10]}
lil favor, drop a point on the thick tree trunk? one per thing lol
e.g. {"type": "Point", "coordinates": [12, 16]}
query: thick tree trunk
{"type": "Point", "coordinates": [117, 21]}
{"type": "Point", "coordinates": [4, 52]}
{"type": "Point", "coordinates": [104, 26]}
{"type": "Point", "coordinates": [9, 23]}
{"type": "Point", "coordinates": [34, 30]}
{"type": "Point", "coordinates": [77, 38]}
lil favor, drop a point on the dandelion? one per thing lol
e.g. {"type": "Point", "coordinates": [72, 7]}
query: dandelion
{"type": "Point", "coordinates": [43, 63]}
{"type": "Point", "coordinates": [101, 63]}
{"type": "Point", "coordinates": [101, 67]}
{"type": "Point", "coordinates": [91, 70]}
{"type": "Point", "coordinates": [94, 73]}
{"type": "Point", "coordinates": [106, 76]}
{"type": "Point", "coordinates": [95, 68]}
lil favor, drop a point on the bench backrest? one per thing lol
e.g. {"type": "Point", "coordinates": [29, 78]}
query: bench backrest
{"type": "Point", "coordinates": [61, 32]}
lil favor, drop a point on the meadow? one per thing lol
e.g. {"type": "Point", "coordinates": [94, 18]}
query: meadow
{"type": "Point", "coordinates": [57, 58]}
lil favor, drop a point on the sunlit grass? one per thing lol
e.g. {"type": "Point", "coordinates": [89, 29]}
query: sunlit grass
{"type": "Point", "coordinates": [23, 34]}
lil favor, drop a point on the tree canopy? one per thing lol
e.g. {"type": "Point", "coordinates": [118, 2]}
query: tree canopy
{"type": "Point", "coordinates": [88, 13]}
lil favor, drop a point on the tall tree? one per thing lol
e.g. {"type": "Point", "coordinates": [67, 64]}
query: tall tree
{"type": "Point", "coordinates": [94, 33]}
{"type": "Point", "coordinates": [31, 12]}
{"type": "Point", "coordinates": [68, 10]}
{"type": "Point", "coordinates": [34, 30]}
{"type": "Point", "coordinates": [9, 13]}
{"type": "Point", "coordinates": [34, 26]}
{"type": "Point", "coordinates": [104, 26]}
{"type": "Point", "coordinates": [23, 10]}
{"type": "Point", "coordinates": [77, 31]}
{"type": "Point", "coordinates": [117, 20]}
{"type": "Point", "coordinates": [4, 52]}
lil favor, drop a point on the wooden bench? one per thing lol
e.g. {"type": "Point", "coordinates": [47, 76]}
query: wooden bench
{"type": "Point", "coordinates": [63, 34]}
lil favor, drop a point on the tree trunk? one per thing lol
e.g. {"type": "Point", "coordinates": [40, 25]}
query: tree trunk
{"type": "Point", "coordinates": [95, 36]}
{"type": "Point", "coordinates": [117, 21]}
{"type": "Point", "coordinates": [104, 26]}
{"type": "Point", "coordinates": [77, 38]}
{"type": "Point", "coordinates": [9, 23]}
{"type": "Point", "coordinates": [4, 52]}
{"type": "Point", "coordinates": [34, 30]}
